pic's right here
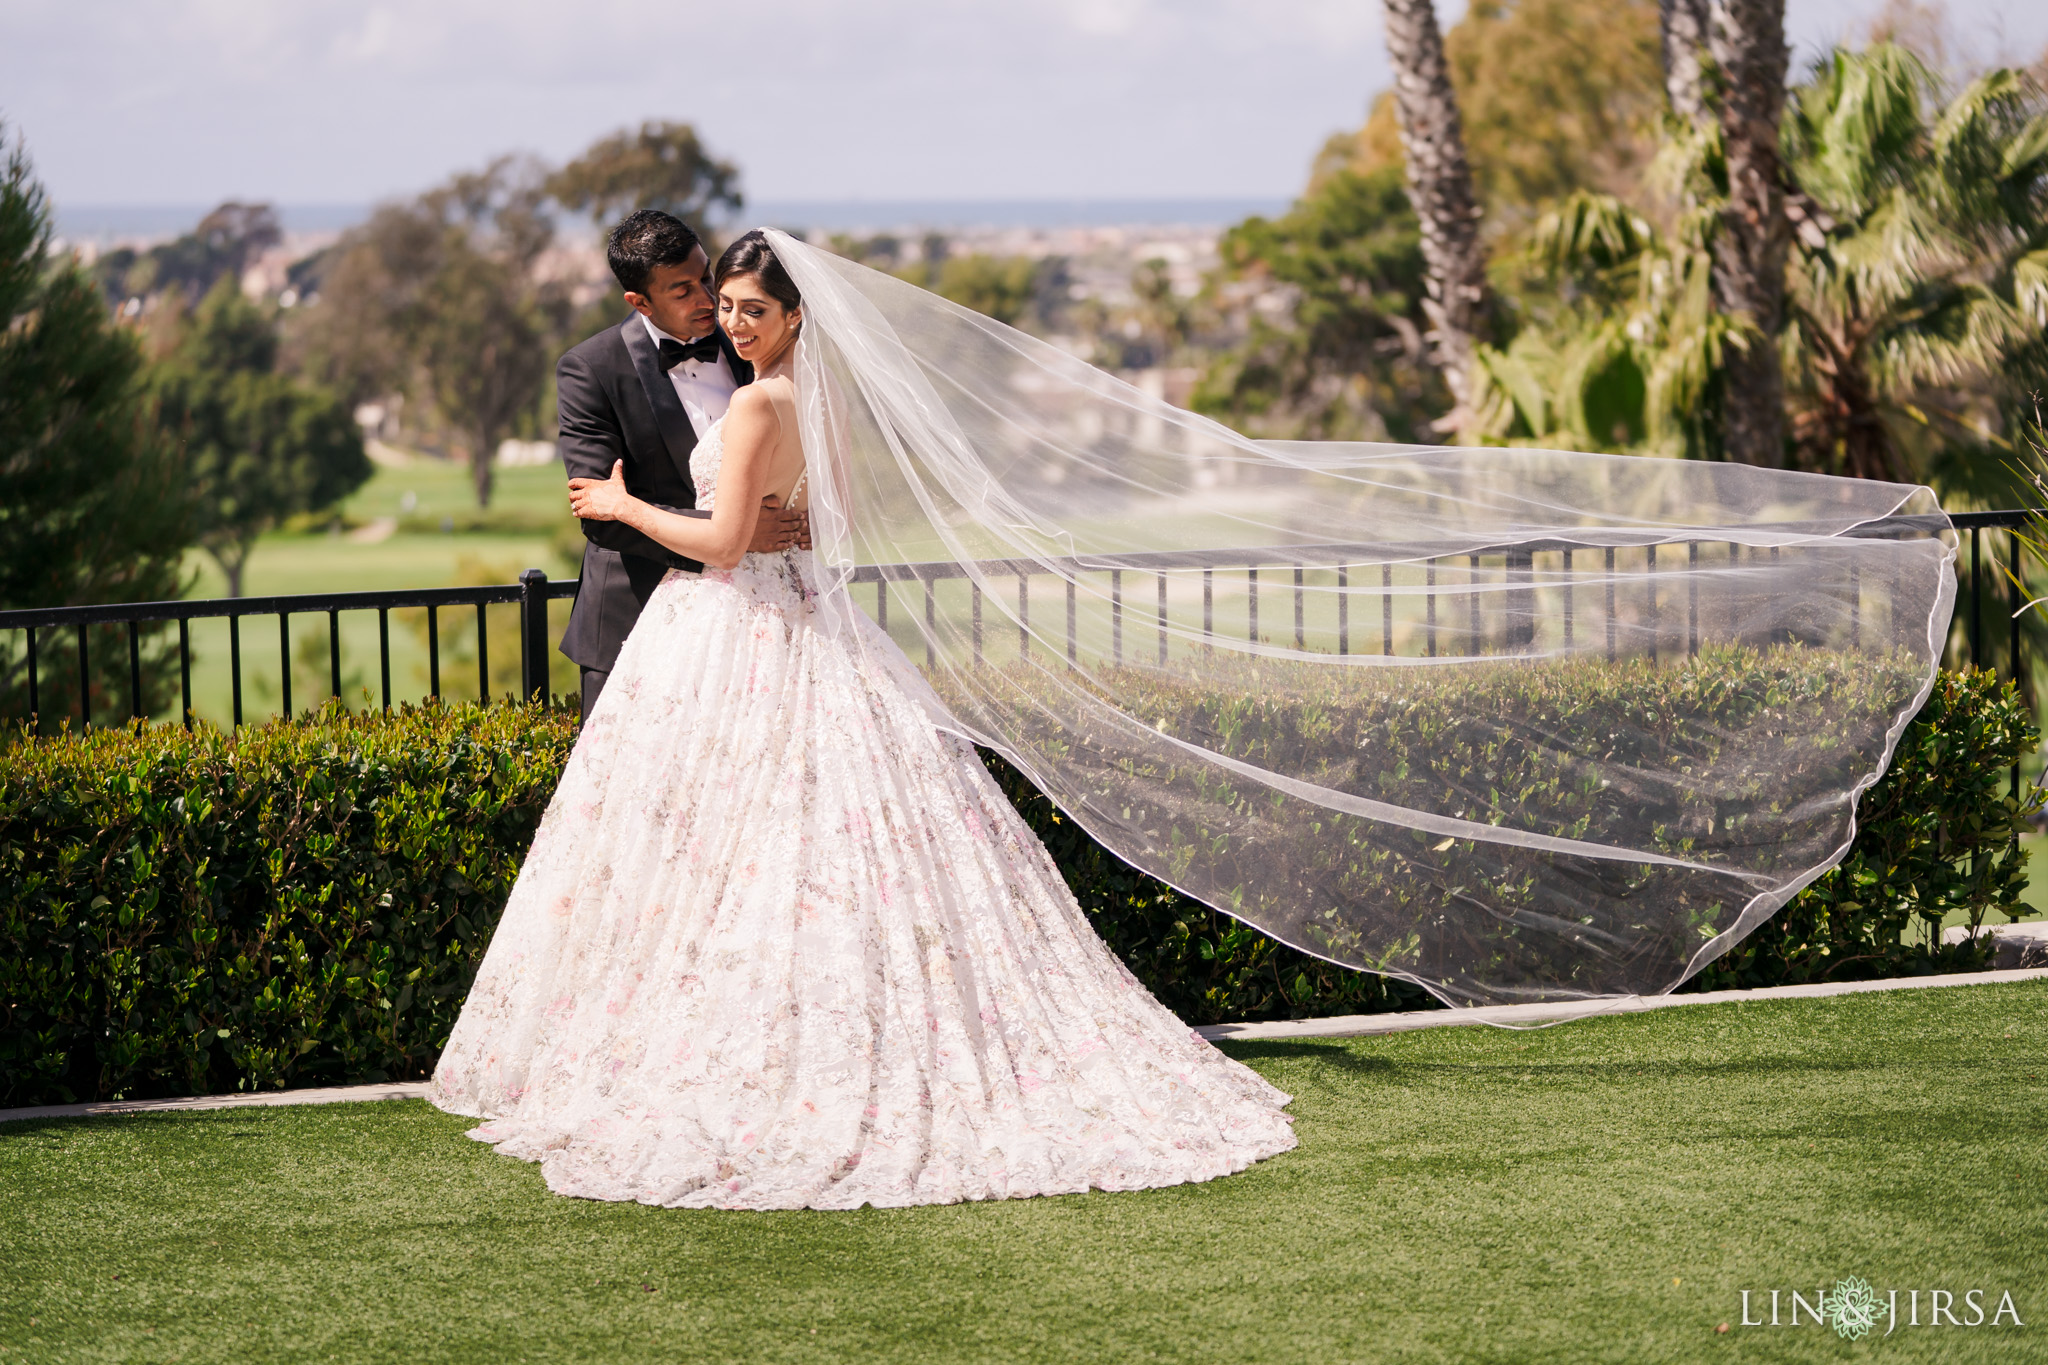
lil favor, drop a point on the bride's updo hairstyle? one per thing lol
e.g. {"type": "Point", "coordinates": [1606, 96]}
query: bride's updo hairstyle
{"type": "Point", "coordinates": [751, 255]}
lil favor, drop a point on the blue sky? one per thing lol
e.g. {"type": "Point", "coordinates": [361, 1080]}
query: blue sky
{"type": "Point", "coordinates": [317, 101]}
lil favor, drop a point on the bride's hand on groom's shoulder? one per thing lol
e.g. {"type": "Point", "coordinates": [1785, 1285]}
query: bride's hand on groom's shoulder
{"type": "Point", "coordinates": [601, 499]}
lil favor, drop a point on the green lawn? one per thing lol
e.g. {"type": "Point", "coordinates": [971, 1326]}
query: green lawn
{"type": "Point", "coordinates": [318, 562]}
{"type": "Point", "coordinates": [1599, 1191]}
{"type": "Point", "coordinates": [442, 488]}
{"type": "Point", "coordinates": [285, 563]}
{"type": "Point", "coordinates": [2036, 894]}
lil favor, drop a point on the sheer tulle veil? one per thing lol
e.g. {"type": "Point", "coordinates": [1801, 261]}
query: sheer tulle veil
{"type": "Point", "coordinates": [1512, 724]}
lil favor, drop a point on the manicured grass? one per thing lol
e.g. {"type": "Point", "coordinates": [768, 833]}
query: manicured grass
{"type": "Point", "coordinates": [442, 488]}
{"type": "Point", "coordinates": [298, 564]}
{"type": "Point", "coordinates": [2036, 894]}
{"type": "Point", "coordinates": [317, 562]}
{"type": "Point", "coordinates": [285, 563]}
{"type": "Point", "coordinates": [290, 562]}
{"type": "Point", "coordinates": [1599, 1191]}
{"type": "Point", "coordinates": [321, 563]}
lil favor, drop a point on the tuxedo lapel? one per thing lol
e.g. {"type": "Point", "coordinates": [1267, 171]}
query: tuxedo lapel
{"type": "Point", "coordinates": [669, 418]}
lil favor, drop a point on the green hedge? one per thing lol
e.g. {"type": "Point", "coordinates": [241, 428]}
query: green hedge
{"type": "Point", "coordinates": [1938, 834]}
{"type": "Point", "coordinates": [1732, 757]}
{"type": "Point", "coordinates": [304, 903]}
{"type": "Point", "coordinates": [301, 903]}
{"type": "Point", "coordinates": [1205, 966]}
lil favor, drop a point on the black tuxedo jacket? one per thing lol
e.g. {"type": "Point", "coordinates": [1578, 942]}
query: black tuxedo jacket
{"type": "Point", "coordinates": [615, 402]}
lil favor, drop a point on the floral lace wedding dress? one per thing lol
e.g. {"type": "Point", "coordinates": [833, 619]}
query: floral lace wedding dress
{"type": "Point", "coordinates": [780, 943]}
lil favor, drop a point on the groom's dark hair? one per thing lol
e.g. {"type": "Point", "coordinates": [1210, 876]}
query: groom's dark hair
{"type": "Point", "coordinates": [644, 239]}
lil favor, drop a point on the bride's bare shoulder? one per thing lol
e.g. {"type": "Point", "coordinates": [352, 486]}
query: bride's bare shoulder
{"type": "Point", "coordinates": [777, 388]}
{"type": "Point", "coordinates": [762, 398]}
{"type": "Point", "coordinates": [773, 396]}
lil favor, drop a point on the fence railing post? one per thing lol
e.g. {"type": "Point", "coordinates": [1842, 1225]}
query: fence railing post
{"type": "Point", "coordinates": [533, 634]}
{"type": "Point", "coordinates": [2013, 657]}
{"type": "Point", "coordinates": [1976, 597]}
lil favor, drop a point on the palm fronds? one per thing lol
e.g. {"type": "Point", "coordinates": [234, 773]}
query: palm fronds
{"type": "Point", "coordinates": [1916, 290]}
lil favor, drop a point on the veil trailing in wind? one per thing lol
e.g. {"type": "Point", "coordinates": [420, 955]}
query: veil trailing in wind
{"type": "Point", "coordinates": [1510, 724]}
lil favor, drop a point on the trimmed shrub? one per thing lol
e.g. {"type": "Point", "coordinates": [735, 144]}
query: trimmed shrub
{"type": "Point", "coordinates": [306, 902]}
{"type": "Point", "coordinates": [1732, 758]}
{"type": "Point", "coordinates": [301, 903]}
{"type": "Point", "coordinates": [1203, 965]}
{"type": "Point", "coordinates": [1939, 834]}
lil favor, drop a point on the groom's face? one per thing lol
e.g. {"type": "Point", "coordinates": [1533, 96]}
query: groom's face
{"type": "Point", "coordinates": [678, 298]}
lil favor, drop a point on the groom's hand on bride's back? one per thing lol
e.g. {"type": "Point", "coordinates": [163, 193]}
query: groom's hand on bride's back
{"type": "Point", "coordinates": [777, 528]}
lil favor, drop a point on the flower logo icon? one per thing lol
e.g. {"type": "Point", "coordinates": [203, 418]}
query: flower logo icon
{"type": "Point", "coordinates": [1852, 1307]}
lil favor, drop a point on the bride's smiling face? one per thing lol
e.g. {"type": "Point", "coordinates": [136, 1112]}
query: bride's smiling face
{"type": "Point", "coordinates": [760, 327]}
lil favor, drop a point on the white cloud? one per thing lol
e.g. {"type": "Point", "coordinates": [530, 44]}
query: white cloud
{"type": "Point", "coordinates": [373, 41]}
{"type": "Point", "coordinates": [1105, 17]}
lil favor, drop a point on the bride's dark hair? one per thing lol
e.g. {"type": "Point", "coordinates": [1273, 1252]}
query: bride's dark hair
{"type": "Point", "coordinates": [751, 255]}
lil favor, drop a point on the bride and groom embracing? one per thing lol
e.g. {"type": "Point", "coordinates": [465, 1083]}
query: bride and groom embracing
{"type": "Point", "coordinates": [780, 942]}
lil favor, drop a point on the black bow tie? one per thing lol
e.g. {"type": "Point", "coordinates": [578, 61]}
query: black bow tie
{"type": "Point", "coordinates": [674, 353]}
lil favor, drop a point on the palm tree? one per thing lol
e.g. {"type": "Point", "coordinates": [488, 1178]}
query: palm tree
{"type": "Point", "coordinates": [1921, 275]}
{"type": "Point", "coordinates": [1683, 25]}
{"type": "Point", "coordinates": [1626, 347]}
{"type": "Point", "coordinates": [1747, 41]}
{"type": "Point", "coordinates": [1916, 289]}
{"type": "Point", "coordinates": [1440, 186]}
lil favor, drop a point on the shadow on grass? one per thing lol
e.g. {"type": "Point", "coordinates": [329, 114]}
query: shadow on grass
{"type": "Point", "coordinates": [52, 1132]}
{"type": "Point", "coordinates": [1332, 1051]}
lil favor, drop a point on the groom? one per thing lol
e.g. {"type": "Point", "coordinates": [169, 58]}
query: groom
{"type": "Point", "coordinates": [644, 393]}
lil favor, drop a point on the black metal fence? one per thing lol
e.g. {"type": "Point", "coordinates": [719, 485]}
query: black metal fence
{"type": "Point", "coordinates": [532, 593]}
{"type": "Point", "coordinates": [1976, 524]}
{"type": "Point", "coordinates": [49, 628]}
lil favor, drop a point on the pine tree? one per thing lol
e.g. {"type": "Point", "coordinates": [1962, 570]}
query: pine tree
{"type": "Point", "coordinates": [93, 503]}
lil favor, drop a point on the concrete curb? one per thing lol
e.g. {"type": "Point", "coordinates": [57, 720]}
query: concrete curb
{"type": "Point", "coordinates": [261, 1099]}
{"type": "Point", "coordinates": [1344, 1026]}
{"type": "Point", "coordinates": [1514, 1016]}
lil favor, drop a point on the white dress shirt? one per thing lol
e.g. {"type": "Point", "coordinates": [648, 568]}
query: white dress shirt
{"type": "Point", "coordinates": [705, 386]}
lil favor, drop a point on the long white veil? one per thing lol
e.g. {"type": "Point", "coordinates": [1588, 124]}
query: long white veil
{"type": "Point", "coordinates": [1511, 724]}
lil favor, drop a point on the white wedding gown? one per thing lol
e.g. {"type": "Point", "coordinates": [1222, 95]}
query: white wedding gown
{"type": "Point", "coordinates": [780, 943]}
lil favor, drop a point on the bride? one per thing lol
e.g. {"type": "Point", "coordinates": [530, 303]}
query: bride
{"type": "Point", "coordinates": [780, 942]}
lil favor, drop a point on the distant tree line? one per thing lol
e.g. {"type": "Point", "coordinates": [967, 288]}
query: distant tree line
{"type": "Point", "coordinates": [452, 301]}
{"type": "Point", "coordinates": [1021, 291]}
{"type": "Point", "coordinates": [150, 406]}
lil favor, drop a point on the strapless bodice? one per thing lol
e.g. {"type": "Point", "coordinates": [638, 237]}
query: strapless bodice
{"type": "Point", "coordinates": [704, 463]}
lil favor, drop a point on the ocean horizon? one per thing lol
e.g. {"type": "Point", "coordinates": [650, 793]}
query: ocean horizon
{"type": "Point", "coordinates": [108, 223]}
